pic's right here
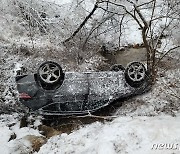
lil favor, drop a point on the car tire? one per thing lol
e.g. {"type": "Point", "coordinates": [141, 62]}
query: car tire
{"type": "Point", "coordinates": [117, 67]}
{"type": "Point", "coordinates": [50, 74]}
{"type": "Point", "coordinates": [135, 74]}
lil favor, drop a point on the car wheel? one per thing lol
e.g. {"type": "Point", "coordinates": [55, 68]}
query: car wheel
{"type": "Point", "coordinates": [135, 74]}
{"type": "Point", "coordinates": [117, 67]}
{"type": "Point", "coordinates": [50, 73]}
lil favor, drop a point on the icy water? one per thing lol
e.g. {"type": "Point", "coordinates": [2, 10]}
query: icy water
{"type": "Point", "coordinates": [126, 56]}
{"type": "Point", "coordinates": [129, 55]}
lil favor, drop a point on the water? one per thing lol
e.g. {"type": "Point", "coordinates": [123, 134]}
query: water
{"type": "Point", "coordinates": [126, 56]}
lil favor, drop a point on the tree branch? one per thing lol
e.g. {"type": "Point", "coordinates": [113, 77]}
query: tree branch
{"type": "Point", "coordinates": [83, 23]}
{"type": "Point", "coordinates": [96, 27]}
{"type": "Point", "coordinates": [167, 53]}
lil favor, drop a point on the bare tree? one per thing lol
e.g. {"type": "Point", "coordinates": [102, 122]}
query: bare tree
{"type": "Point", "coordinates": [112, 16]}
{"type": "Point", "coordinates": [151, 32]}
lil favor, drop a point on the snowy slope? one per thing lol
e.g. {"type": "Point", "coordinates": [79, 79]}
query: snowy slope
{"type": "Point", "coordinates": [123, 135]}
{"type": "Point", "coordinates": [9, 125]}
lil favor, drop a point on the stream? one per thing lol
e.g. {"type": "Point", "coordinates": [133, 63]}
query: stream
{"type": "Point", "coordinates": [126, 56]}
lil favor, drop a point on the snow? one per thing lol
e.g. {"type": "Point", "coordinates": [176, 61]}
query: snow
{"type": "Point", "coordinates": [60, 2]}
{"type": "Point", "coordinates": [5, 134]}
{"type": "Point", "coordinates": [122, 135]}
{"type": "Point", "coordinates": [17, 68]}
{"type": "Point", "coordinates": [9, 125]}
{"type": "Point", "coordinates": [141, 122]}
{"type": "Point", "coordinates": [126, 134]}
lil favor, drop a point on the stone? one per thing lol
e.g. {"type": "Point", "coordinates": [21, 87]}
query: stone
{"type": "Point", "coordinates": [49, 131]}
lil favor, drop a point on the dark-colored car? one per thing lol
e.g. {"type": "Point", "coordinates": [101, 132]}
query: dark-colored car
{"type": "Point", "coordinates": [53, 92]}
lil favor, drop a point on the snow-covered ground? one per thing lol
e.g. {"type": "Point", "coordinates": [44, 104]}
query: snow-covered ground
{"type": "Point", "coordinates": [9, 125]}
{"type": "Point", "coordinates": [133, 135]}
{"type": "Point", "coordinates": [145, 124]}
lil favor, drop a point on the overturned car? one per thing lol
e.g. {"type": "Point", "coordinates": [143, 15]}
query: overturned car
{"type": "Point", "coordinates": [51, 91]}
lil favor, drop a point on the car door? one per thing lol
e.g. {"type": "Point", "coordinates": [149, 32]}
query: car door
{"type": "Point", "coordinates": [104, 87]}
{"type": "Point", "coordinates": [73, 93]}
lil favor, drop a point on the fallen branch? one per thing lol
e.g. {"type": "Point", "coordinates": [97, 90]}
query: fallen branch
{"type": "Point", "coordinates": [98, 117]}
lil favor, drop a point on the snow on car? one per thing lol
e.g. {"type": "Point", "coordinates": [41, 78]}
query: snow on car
{"type": "Point", "coordinates": [51, 91]}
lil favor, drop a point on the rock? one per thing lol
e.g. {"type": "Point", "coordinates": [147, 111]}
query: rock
{"type": "Point", "coordinates": [49, 131]}
{"type": "Point", "coordinates": [23, 122]}
{"type": "Point", "coordinates": [27, 144]}
{"type": "Point", "coordinates": [12, 137]}
{"type": "Point", "coordinates": [36, 141]}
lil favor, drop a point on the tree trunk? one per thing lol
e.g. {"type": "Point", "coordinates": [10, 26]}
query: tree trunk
{"type": "Point", "coordinates": [150, 57]}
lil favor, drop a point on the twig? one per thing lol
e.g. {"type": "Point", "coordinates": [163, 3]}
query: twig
{"type": "Point", "coordinates": [167, 53]}
{"type": "Point", "coordinates": [120, 28]}
{"type": "Point", "coordinates": [173, 93]}
{"type": "Point", "coordinates": [94, 28]}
